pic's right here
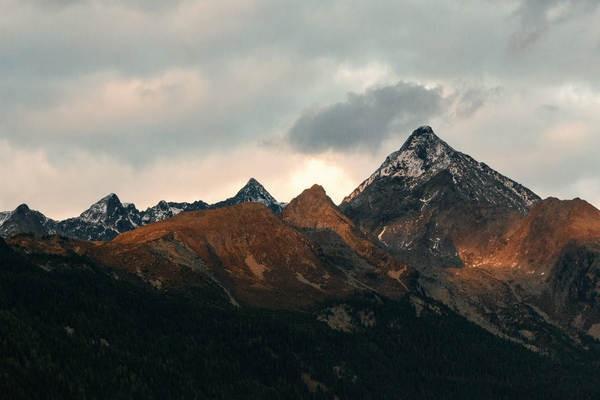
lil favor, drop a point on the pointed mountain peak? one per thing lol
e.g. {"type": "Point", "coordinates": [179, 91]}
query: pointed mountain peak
{"type": "Point", "coordinates": [424, 131]}
{"type": "Point", "coordinates": [317, 188]}
{"type": "Point", "coordinates": [100, 210]}
{"type": "Point", "coordinates": [313, 200]}
{"type": "Point", "coordinates": [25, 220]}
{"type": "Point", "coordinates": [423, 144]}
{"type": "Point", "coordinates": [424, 156]}
{"type": "Point", "coordinates": [22, 209]}
{"type": "Point", "coordinates": [253, 185]}
{"type": "Point", "coordinates": [316, 193]}
{"type": "Point", "coordinates": [423, 149]}
{"type": "Point", "coordinates": [313, 209]}
{"type": "Point", "coordinates": [111, 197]}
{"type": "Point", "coordinates": [256, 192]}
{"type": "Point", "coordinates": [253, 182]}
{"type": "Point", "coordinates": [424, 140]}
{"type": "Point", "coordinates": [252, 192]}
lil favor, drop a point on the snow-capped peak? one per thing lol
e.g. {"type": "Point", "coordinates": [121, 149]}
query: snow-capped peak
{"type": "Point", "coordinates": [424, 155]}
{"type": "Point", "coordinates": [163, 210]}
{"type": "Point", "coordinates": [100, 210]}
{"type": "Point", "coordinates": [422, 152]}
{"type": "Point", "coordinates": [252, 192]}
{"type": "Point", "coordinates": [103, 220]}
{"type": "Point", "coordinates": [255, 192]}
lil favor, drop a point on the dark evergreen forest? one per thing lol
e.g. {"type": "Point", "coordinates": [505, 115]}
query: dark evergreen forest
{"type": "Point", "coordinates": [78, 332]}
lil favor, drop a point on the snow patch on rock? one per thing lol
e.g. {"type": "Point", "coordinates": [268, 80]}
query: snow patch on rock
{"type": "Point", "coordinates": [424, 155]}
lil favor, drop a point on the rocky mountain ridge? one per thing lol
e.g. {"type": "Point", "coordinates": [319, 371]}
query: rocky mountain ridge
{"type": "Point", "coordinates": [254, 256]}
{"type": "Point", "coordinates": [109, 217]}
{"type": "Point", "coordinates": [431, 222]}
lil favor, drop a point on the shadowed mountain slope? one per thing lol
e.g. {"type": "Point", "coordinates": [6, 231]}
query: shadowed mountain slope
{"type": "Point", "coordinates": [427, 199]}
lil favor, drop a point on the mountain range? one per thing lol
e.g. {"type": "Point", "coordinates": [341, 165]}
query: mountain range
{"type": "Point", "coordinates": [432, 231]}
{"type": "Point", "coordinates": [109, 217]}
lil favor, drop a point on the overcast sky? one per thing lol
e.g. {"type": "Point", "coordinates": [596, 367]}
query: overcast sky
{"type": "Point", "coordinates": [185, 100]}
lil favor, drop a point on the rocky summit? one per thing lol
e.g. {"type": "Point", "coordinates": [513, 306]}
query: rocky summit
{"type": "Point", "coordinates": [25, 220]}
{"type": "Point", "coordinates": [427, 199]}
{"type": "Point", "coordinates": [252, 192]}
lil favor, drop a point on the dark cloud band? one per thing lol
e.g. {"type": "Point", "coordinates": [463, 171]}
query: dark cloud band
{"type": "Point", "coordinates": [365, 120]}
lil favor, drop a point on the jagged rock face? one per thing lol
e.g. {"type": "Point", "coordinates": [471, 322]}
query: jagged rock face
{"type": "Point", "coordinates": [104, 220]}
{"type": "Point", "coordinates": [164, 210]}
{"type": "Point", "coordinates": [315, 213]}
{"type": "Point", "coordinates": [23, 219]}
{"type": "Point", "coordinates": [252, 192]}
{"type": "Point", "coordinates": [427, 198]}
{"type": "Point", "coordinates": [4, 216]}
{"type": "Point", "coordinates": [110, 212]}
{"type": "Point", "coordinates": [109, 217]}
{"type": "Point", "coordinates": [553, 255]}
{"type": "Point", "coordinates": [574, 287]}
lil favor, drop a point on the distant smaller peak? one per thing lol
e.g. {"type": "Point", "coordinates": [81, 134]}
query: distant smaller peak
{"type": "Point", "coordinates": [23, 208]}
{"type": "Point", "coordinates": [422, 130]}
{"type": "Point", "coordinates": [423, 134]}
{"type": "Point", "coordinates": [110, 197]}
{"type": "Point", "coordinates": [316, 190]}
{"type": "Point", "coordinates": [316, 194]}
{"type": "Point", "coordinates": [253, 186]}
{"type": "Point", "coordinates": [253, 182]}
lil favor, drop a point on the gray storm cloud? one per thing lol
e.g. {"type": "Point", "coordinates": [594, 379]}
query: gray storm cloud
{"type": "Point", "coordinates": [366, 120]}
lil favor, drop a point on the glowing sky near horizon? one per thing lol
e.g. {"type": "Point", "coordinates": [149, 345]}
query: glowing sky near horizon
{"type": "Point", "coordinates": [185, 100]}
